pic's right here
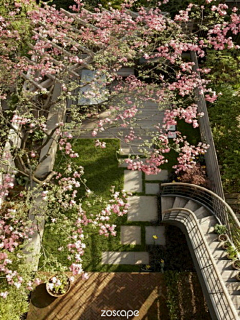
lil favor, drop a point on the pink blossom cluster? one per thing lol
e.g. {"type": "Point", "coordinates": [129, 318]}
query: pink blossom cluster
{"type": "Point", "coordinates": [218, 35]}
{"type": "Point", "coordinates": [13, 231]}
{"type": "Point", "coordinates": [13, 278]}
{"type": "Point", "coordinates": [117, 205]}
{"type": "Point", "coordinates": [150, 165]}
{"type": "Point", "coordinates": [183, 15]}
{"type": "Point", "coordinates": [6, 184]}
{"type": "Point", "coordinates": [100, 144]}
{"type": "Point", "coordinates": [188, 155]}
{"type": "Point", "coordinates": [67, 147]}
{"type": "Point", "coordinates": [185, 84]}
{"type": "Point", "coordinates": [131, 135]}
{"type": "Point", "coordinates": [189, 114]}
{"type": "Point", "coordinates": [221, 9]}
{"type": "Point", "coordinates": [28, 123]}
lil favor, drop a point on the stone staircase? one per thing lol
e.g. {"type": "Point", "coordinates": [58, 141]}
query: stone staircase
{"type": "Point", "coordinates": [206, 222]}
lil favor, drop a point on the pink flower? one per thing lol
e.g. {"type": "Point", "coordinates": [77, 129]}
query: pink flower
{"type": "Point", "coordinates": [85, 276]}
{"type": "Point", "coordinates": [37, 281]}
{"type": "Point", "coordinates": [4, 294]}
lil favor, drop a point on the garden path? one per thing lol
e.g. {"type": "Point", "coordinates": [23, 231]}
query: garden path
{"type": "Point", "coordinates": [143, 207]}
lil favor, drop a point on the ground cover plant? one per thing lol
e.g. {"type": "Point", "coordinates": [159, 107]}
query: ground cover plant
{"type": "Point", "coordinates": [41, 48]}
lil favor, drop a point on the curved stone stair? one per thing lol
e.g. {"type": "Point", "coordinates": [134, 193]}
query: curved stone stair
{"type": "Point", "coordinates": [207, 222]}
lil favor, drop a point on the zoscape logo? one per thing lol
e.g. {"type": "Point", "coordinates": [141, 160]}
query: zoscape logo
{"type": "Point", "coordinates": [119, 313]}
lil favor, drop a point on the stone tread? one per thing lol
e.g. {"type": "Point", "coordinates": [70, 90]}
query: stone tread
{"type": "Point", "coordinates": [125, 257]}
{"type": "Point", "coordinates": [201, 212]}
{"type": "Point", "coordinates": [179, 202]}
{"type": "Point", "coordinates": [166, 203]}
{"type": "Point", "coordinates": [191, 205]}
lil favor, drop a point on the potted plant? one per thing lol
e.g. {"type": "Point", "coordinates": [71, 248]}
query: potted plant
{"type": "Point", "coordinates": [232, 253]}
{"type": "Point", "coordinates": [226, 244]}
{"type": "Point", "coordinates": [236, 264]}
{"type": "Point", "coordinates": [58, 285]}
{"type": "Point", "coordinates": [221, 230]}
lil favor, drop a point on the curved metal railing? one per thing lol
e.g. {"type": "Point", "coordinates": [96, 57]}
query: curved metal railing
{"type": "Point", "coordinates": [215, 204]}
{"type": "Point", "coordinates": [221, 302]}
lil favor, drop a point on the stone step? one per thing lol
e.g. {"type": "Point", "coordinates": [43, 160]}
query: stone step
{"type": "Point", "coordinates": [224, 264]}
{"type": "Point", "coordinates": [201, 212]}
{"type": "Point", "coordinates": [212, 238]}
{"type": "Point", "coordinates": [233, 287]}
{"type": "Point", "coordinates": [179, 202]}
{"type": "Point", "coordinates": [228, 275]}
{"type": "Point", "coordinates": [166, 203]}
{"type": "Point", "coordinates": [207, 224]}
{"type": "Point", "coordinates": [236, 301]}
{"type": "Point", "coordinates": [192, 205]}
{"type": "Point", "coordinates": [217, 252]}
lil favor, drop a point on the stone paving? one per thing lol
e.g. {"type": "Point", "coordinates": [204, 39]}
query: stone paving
{"type": "Point", "coordinates": [133, 181]}
{"type": "Point", "coordinates": [130, 235]}
{"type": "Point", "coordinates": [142, 208]}
{"type": "Point", "coordinates": [152, 188]}
{"type": "Point", "coordinates": [114, 257]}
{"type": "Point", "coordinates": [159, 232]}
{"type": "Point", "coordinates": [161, 176]}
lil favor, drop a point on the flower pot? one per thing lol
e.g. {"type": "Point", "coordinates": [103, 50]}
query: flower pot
{"type": "Point", "coordinates": [226, 244]}
{"type": "Point", "coordinates": [231, 257]}
{"type": "Point", "coordinates": [236, 264]}
{"type": "Point", "coordinates": [222, 237]}
{"type": "Point", "coordinates": [54, 290]}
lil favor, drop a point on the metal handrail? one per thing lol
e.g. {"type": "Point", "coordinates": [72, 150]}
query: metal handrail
{"type": "Point", "coordinates": [226, 305]}
{"type": "Point", "coordinates": [214, 203]}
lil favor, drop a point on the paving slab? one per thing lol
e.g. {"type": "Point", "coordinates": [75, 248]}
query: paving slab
{"type": "Point", "coordinates": [158, 231]}
{"type": "Point", "coordinates": [152, 188]}
{"type": "Point", "coordinates": [142, 208]}
{"type": "Point", "coordinates": [130, 235]}
{"type": "Point", "coordinates": [133, 181]}
{"type": "Point", "coordinates": [113, 257]}
{"type": "Point", "coordinates": [161, 176]}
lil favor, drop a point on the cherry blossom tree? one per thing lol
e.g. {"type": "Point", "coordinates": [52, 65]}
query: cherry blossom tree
{"type": "Point", "coordinates": [37, 80]}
